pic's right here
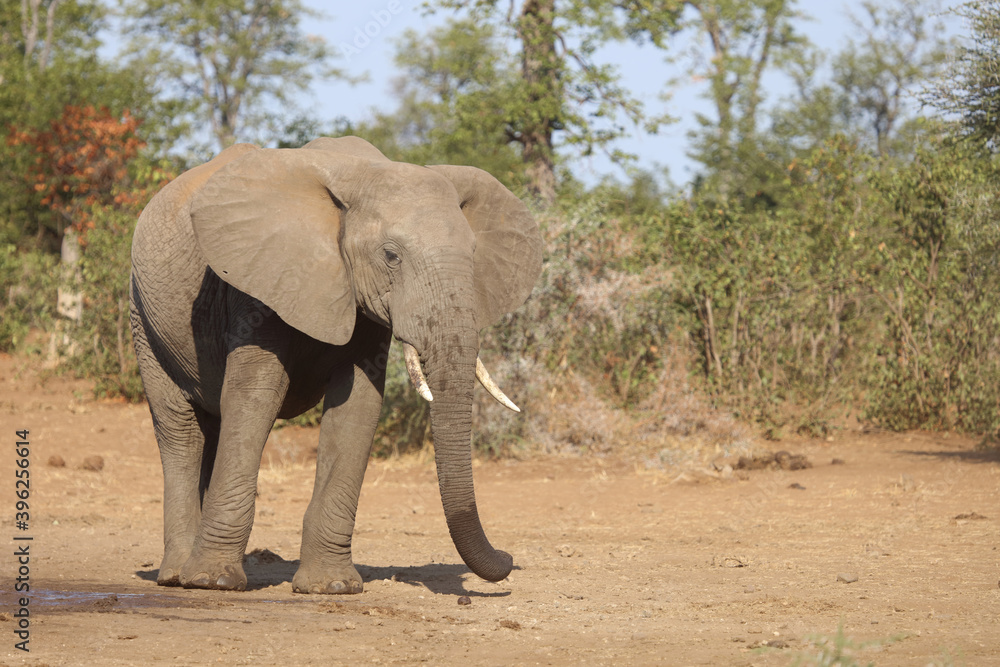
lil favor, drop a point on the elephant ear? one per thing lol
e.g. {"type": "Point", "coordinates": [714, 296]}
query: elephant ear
{"type": "Point", "coordinates": [270, 223]}
{"type": "Point", "coordinates": [508, 257]}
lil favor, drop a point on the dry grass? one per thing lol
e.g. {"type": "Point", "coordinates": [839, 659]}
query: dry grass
{"type": "Point", "coordinates": [567, 413]}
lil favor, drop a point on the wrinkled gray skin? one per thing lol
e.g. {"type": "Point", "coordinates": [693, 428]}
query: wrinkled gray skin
{"type": "Point", "coordinates": [266, 280]}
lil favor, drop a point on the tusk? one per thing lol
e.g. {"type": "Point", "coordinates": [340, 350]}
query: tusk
{"type": "Point", "coordinates": [416, 374]}
{"type": "Point", "coordinates": [484, 378]}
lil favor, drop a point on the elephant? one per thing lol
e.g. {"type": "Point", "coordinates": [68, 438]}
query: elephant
{"type": "Point", "coordinates": [266, 280]}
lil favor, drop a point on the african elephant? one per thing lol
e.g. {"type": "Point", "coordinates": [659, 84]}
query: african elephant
{"type": "Point", "coordinates": [268, 279]}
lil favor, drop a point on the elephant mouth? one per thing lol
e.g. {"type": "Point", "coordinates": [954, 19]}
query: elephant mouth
{"type": "Point", "coordinates": [419, 380]}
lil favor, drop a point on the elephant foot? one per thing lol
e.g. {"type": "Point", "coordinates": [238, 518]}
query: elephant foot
{"type": "Point", "coordinates": [168, 577]}
{"type": "Point", "coordinates": [215, 576]}
{"type": "Point", "coordinates": [170, 569]}
{"type": "Point", "coordinates": [342, 581]}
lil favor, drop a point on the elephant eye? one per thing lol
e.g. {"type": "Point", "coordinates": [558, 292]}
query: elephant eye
{"type": "Point", "coordinates": [391, 258]}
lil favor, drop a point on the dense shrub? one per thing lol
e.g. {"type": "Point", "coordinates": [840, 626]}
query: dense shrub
{"type": "Point", "coordinates": [103, 337]}
{"type": "Point", "coordinates": [938, 365]}
{"type": "Point", "coordinates": [770, 298]}
{"type": "Point", "coordinates": [28, 284]}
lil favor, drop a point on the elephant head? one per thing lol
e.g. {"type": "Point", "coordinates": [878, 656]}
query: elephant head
{"type": "Point", "coordinates": [322, 233]}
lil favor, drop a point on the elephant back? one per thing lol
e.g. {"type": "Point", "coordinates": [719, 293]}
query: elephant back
{"type": "Point", "coordinates": [163, 238]}
{"type": "Point", "coordinates": [170, 276]}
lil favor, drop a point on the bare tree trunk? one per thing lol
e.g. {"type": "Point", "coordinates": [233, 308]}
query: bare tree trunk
{"type": "Point", "coordinates": [69, 300]}
{"type": "Point", "coordinates": [540, 69]}
{"type": "Point", "coordinates": [30, 26]}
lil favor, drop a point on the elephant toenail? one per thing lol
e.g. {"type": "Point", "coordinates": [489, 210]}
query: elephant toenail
{"type": "Point", "coordinates": [201, 580]}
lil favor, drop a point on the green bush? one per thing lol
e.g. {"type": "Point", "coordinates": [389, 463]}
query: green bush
{"type": "Point", "coordinates": [768, 299]}
{"type": "Point", "coordinates": [938, 367]}
{"type": "Point", "coordinates": [104, 336]}
{"type": "Point", "coordinates": [28, 284]}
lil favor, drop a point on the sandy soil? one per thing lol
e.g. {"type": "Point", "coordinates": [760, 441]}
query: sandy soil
{"type": "Point", "coordinates": [615, 564]}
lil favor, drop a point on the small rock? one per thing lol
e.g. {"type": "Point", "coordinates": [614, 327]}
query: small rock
{"type": "Point", "coordinates": [847, 578]}
{"type": "Point", "coordinates": [796, 485]}
{"type": "Point", "coordinates": [837, 462]}
{"type": "Point", "coordinates": [56, 461]}
{"type": "Point", "coordinates": [261, 556]}
{"type": "Point", "coordinates": [730, 561]}
{"type": "Point", "coordinates": [510, 625]}
{"type": "Point", "coordinates": [94, 463]}
{"type": "Point", "coordinates": [970, 516]}
{"type": "Point", "coordinates": [764, 461]}
{"type": "Point", "coordinates": [106, 604]}
{"type": "Point", "coordinates": [797, 462]}
{"type": "Point", "coordinates": [465, 600]}
{"type": "Point", "coordinates": [566, 551]}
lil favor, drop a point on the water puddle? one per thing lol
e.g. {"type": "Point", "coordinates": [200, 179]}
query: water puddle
{"type": "Point", "coordinates": [59, 598]}
{"type": "Point", "coordinates": [109, 600]}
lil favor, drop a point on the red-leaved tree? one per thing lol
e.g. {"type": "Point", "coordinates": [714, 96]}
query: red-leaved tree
{"type": "Point", "coordinates": [87, 159]}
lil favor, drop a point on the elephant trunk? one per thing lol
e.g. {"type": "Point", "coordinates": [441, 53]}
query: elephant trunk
{"type": "Point", "coordinates": [450, 361]}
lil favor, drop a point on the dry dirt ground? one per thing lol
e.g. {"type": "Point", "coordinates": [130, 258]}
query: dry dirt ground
{"type": "Point", "coordinates": [616, 564]}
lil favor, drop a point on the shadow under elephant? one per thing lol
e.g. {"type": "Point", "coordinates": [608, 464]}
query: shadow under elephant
{"type": "Point", "coordinates": [266, 569]}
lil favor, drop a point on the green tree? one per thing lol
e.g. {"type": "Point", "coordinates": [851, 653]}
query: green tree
{"type": "Point", "coordinates": [742, 40]}
{"type": "Point", "coordinates": [561, 98]}
{"type": "Point", "coordinates": [49, 61]}
{"type": "Point", "coordinates": [900, 48]}
{"type": "Point", "coordinates": [748, 148]}
{"type": "Point", "coordinates": [453, 79]}
{"type": "Point", "coordinates": [222, 64]}
{"type": "Point", "coordinates": [969, 91]}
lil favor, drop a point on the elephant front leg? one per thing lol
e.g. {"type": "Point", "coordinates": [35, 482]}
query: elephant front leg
{"type": "Point", "coordinates": [351, 411]}
{"type": "Point", "coordinates": [254, 387]}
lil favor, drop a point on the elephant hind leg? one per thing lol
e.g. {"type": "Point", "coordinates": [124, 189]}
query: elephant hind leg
{"type": "Point", "coordinates": [188, 438]}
